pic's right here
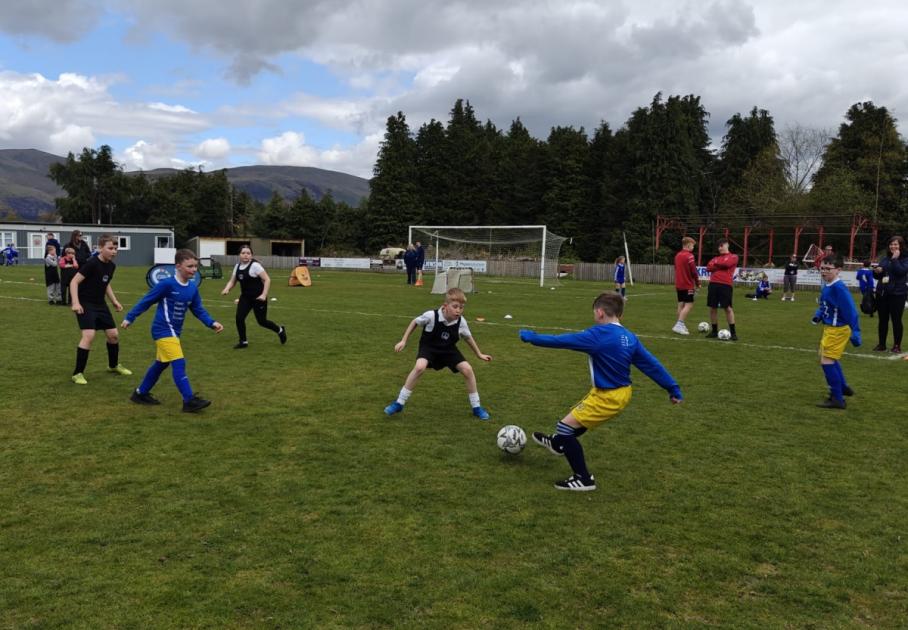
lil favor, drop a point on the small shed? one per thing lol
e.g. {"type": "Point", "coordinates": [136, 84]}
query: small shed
{"type": "Point", "coordinates": [137, 243]}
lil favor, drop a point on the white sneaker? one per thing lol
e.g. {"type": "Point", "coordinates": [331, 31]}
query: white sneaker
{"type": "Point", "coordinates": [680, 328]}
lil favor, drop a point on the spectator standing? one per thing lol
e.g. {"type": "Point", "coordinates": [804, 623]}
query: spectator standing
{"type": "Point", "coordinates": [790, 279]}
{"type": "Point", "coordinates": [51, 240]}
{"type": "Point", "coordinates": [687, 281]}
{"type": "Point", "coordinates": [51, 275]}
{"type": "Point", "coordinates": [80, 247]}
{"type": "Point", "coordinates": [891, 293]}
{"type": "Point", "coordinates": [68, 269]}
{"type": "Point", "coordinates": [410, 262]}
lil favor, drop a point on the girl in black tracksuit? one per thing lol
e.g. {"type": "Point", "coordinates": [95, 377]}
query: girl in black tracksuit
{"type": "Point", "coordinates": [892, 290]}
{"type": "Point", "coordinates": [254, 284]}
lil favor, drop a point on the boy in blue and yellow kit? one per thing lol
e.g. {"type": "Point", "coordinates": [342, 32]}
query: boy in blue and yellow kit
{"type": "Point", "coordinates": [612, 349]}
{"type": "Point", "coordinates": [840, 324]}
{"type": "Point", "coordinates": [174, 296]}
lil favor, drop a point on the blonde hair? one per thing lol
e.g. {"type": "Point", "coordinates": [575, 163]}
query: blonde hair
{"type": "Point", "coordinates": [455, 295]}
{"type": "Point", "coordinates": [687, 241]}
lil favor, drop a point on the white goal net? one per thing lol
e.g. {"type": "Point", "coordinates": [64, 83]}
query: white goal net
{"type": "Point", "coordinates": [529, 252]}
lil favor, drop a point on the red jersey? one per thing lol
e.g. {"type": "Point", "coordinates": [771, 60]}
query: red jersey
{"type": "Point", "coordinates": [686, 276]}
{"type": "Point", "coordinates": [722, 268]}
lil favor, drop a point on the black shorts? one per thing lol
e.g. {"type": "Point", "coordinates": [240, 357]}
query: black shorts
{"type": "Point", "coordinates": [95, 317]}
{"type": "Point", "coordinates": [718, 295]}
{"type": "Point", "coordinates": [685, 295]}
{"type": "Point", "coordinates": [439, 359]}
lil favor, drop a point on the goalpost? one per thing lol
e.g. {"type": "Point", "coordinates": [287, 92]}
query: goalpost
{"type": "Point", "coordinates": [529, 251]}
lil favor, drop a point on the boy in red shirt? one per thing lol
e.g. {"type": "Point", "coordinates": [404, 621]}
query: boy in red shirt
{"type": "Point", "coordinates": [687, 281]}
{"type": "Point", "coordinates": [721, 273]}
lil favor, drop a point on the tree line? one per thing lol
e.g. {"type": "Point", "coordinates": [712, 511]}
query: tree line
{"type": "Point", "coordinates": [591, 187]}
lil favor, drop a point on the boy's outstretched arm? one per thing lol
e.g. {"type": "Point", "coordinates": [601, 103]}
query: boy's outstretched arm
{"type": "Point", "coordinates": [644, 361]}
{"type": "Point", "coordinates": [153, 295]}
{"type": "Point", "coordinates": [400, 345]}
{"type": "Point", "coordinates": [475, 347]}
{"type": "Point", "coordinates": [581, 341]}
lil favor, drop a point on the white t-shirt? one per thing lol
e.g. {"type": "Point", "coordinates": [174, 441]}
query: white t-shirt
{"type": "Point", "coordinates": [254, 271]}
{"type": "Point", "coordinates": [427, 321]}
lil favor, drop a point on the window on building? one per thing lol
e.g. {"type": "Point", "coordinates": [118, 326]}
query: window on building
{"type": "Point", "coordinates": [6, 238]}
{"type": "Point", "coordinates": [162, 242]}
{"type": "Point", "coordinates": [123, 242]}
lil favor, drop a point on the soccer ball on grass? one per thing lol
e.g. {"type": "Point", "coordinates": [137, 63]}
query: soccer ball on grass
{"type": "Point", "coordinates": [703, 326]}
{"type": "Point", "coordinates": [724, 335]}
{"type": "Point", "coordinates": [511, 439]}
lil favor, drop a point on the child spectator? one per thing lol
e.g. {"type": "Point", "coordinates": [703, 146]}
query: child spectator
{"type": "Point", "coordinates": [442, 329]}
{"type": "Point", "coordinates": [11, 255]}
{"type": "Point", "coordinates": [687, 281]}
{"type": "Point", "coordinates": [721, 287]}
{"type": "Point", "coordinates": [88, 288]}
{"type": "Point", "coordinates": [865, 282]}
{"type": "Point", "coordinates": [619, 275]}
{"type": "Point", "coordinates": [840, 324]}
{"type": "Point", "coordinates": [51, 275]}
{"type": "Point", "coordinates": [174, 296]}
{"type": "Point", "coordinates": [612, 349]}
{"type": "Point", "coordinates": [762, 290]}
{"type": "Point", "coordinates": [790, 279]}
{"type": "Point", "coordinates": [68, 268]}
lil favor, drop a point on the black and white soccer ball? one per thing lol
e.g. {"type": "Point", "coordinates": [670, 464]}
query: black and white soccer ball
{"type": "Point", "coordinates": [703, 327]}
{"type": "Point", "coordinates": [724, 334]}
{"type": "Point", "coordinates": [511, 439]}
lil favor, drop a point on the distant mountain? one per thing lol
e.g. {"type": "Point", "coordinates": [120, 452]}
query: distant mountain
{"type": "Point", "coordinates": [27, 192]}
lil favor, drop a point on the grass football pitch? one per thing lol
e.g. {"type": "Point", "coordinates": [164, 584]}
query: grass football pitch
{"type": "Point", "coordinates": [293, 501]}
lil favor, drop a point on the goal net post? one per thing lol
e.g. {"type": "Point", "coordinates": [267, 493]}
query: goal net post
{"type": "Point", "coordinates": [519, 251]}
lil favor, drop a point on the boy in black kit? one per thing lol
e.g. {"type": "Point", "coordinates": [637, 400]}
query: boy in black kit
{"type": "Point", "coordinates": [88, 289]}
{"type": "Point", "coordinates": [442, 329]}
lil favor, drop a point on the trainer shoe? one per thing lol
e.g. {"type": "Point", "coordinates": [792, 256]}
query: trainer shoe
{"type": "Point", "coordinates": [195, 404]}
{"type": "Point", "coordinates": [394, 408]}
{"type": "Point", "coordinates": [734, 337]}
{"type": "Point", "coordinates": [545, 441]}
{"type": "Point", "coordinates": [847, 391]}
{"type": "Point", "coordinates": [680, 328]}
{"type": "Point", "coordinates": [481, 413]}
{"type": "Point", "coordinates": [879, 348]}
{"type": "Point", "coordinates": [576, 484]}
{"type": "Point", "coordinates": [119, 369]}
{"type": "Point", "coordinates": [282, 334]}
{"type": "Point", "coordinates": [143, 399]}
{"type": "Point", "coordinates": [241, 345]}
{"type": "Point", "coordinates": [79, 379]}
{"type": "Point", "coordinates": [831, 403]}
{"type": "Point", "coordinates": [896, 349]}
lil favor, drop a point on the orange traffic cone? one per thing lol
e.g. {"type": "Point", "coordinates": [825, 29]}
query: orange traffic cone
{"type": "Point", "coordinates": [418, 279]}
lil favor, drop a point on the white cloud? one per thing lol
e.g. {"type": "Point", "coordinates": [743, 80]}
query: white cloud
{"type": "Point", "coordinates": [148, 156]}
{"type": "Point", "coordinates": [64, 114]}
{"type": "Point", "coordinates": [173, 109]}
{"type": "Point", "coordinates": [290, 149]}
{"type": "Point", "coordinates": [213, 149]}
{"type": "Point", "coordinates": [60, 20]}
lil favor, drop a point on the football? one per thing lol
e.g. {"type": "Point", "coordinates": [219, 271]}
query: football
{"type": "Point", "coordinates": [703, 326]}
{"type": "Point", "coordinates": [724, 335]}
{"type": "Point", "coordinates": [511, 439]}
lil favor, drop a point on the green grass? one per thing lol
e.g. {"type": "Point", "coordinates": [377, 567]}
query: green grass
{"type": "Point", "coordinates": [294, 502]}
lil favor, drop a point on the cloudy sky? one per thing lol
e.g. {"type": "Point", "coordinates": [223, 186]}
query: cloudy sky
{"type": "Point", "coordinates": [311, 82]}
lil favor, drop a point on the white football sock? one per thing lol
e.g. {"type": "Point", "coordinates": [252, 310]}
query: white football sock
{"type": "Point", "coordinates": [474, 400]}
{"type": "Point", "coordinates": [404, 395]}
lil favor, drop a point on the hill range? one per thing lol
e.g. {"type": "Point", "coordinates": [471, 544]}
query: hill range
{"type": "Point", "coordinates": [27, 193]}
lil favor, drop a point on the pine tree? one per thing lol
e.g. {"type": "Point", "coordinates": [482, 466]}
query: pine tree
{"type": "Point", "coordinates": [394, 196]}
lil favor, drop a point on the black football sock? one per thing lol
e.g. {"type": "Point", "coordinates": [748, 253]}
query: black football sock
{"type": "Point", "coordinates": [731, 328]}
{"type": "Point", "coordinates": [574, 454]}
{"type": "Point", "coordinates": [715, 327]}
{"type": "Point", "coordinates": [113, 354]}
{"type": "Point", "coordinates": [81, 360]}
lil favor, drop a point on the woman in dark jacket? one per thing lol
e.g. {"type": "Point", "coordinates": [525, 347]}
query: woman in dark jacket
{"type": "Point", "coordinates": [83, 252]}
{"type": "Point", "coordinates": [892, 290]}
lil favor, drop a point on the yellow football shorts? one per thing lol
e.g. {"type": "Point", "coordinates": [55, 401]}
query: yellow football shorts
{"type": "Point", "coordinates": [832, 344]}
{"type": "Point", "coordinates": [168, 349]}
{"type": "Point", "coordinates": [601, 405]}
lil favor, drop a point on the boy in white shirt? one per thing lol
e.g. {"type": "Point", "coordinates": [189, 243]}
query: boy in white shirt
{"type": "Point", "coordinates": [442, 329]}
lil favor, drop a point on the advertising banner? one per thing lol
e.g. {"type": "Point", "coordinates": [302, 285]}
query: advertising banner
{"type": "Point", "coordinates": [344, 263]}
{"type": "Point", "coordinates": [479, 266]}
